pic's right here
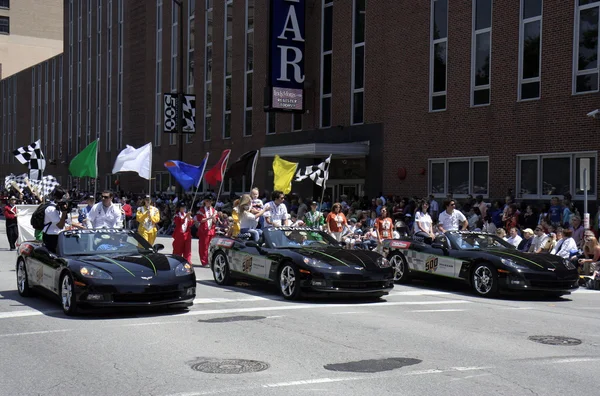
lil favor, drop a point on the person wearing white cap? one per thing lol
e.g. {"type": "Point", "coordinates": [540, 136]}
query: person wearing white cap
{"type": "Point", "coordinates": [12, 230]}
{"type": "Point", "coordinates": [147, 217]}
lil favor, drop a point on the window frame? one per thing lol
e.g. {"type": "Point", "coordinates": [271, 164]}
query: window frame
{"type": "Point", "coordinates": [522, 81]}
{"type": "Point", "coordinates": [7, 19]}
{"type": "Point", "coordinates": [249, 73]}
{"type": "Point", "coordinates": [355, 46]}
{"type": "Point", "coordinates": [322, 97]}
{"type": "Point", "coordinates": [227, 43]}
{"type": "Point", "coordinates": [576, 73]}
{"type": "Point", "coordinates": [5, 7]}
{"type": "Point", "coordinates": [448, 160]}
{"type": "Point", "coordinates": [209, 10]}
{"type": "Point", "coordinates": [474, 34]}
{"type": "Point", "coordinates": [432, 43]}
{"type": "Point", "coordinates": [158, 75]}
{"type": "Point", "coordinates": [573, 156]}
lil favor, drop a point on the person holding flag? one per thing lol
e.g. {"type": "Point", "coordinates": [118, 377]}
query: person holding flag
{"type": "Point", "coordinates": [206, 220]}
{"type": "Point", "coordinates": [314, 218]}
{"type": "Point", "coordinates": [12, 230]}
{"type": "Point", "coordinates": [147, 217]}
{"type": "Point", "coordinates": [182, 234]}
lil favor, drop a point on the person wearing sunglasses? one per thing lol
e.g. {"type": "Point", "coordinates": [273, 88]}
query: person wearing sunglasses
{"type": "Point", "coordinates": [147, 217]}
{"type": "Point", "coordinates": [451, 219]}
{"type": "Point", "coordinates": [105, 214]}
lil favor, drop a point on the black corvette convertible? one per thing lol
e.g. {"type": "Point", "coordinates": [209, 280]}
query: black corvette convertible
{"type": "Point", "coordinates": [301, 260]}
{"type": "Point", "coordinates": [487, 262]}
{"type": "Point", "coordinates": [105, 268]}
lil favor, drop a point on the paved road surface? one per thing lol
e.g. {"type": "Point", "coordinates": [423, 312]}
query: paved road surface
{"type": "Point", "coordinates": [423, 339]}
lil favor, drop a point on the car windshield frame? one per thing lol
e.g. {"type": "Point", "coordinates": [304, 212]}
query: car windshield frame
{"type": "Point", "coordinates": [278, 238]}
{"type": "Point", "coordinates": [90, 239]}
{"type": "Point", "coordinates": [467, 240]}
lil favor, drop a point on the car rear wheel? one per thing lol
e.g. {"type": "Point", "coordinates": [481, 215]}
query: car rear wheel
{"type": "Point", "coordinates": [400, 268]}
{"type": "Point", "coordinates": [288, 282]}
{"type": "Point", "coordinates": [220, 269]}
{"type": "Point", "coordinates": [22, 281]}
{"type": "Point", "coordinates": [484, 280]}
{"type": "Point", "coordinates": [67, 295]}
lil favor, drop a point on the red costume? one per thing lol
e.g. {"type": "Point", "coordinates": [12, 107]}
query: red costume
{"type": "Point", "coordinates": [206, 231]}
{"type": "Point", "coordinates": [182, 236]}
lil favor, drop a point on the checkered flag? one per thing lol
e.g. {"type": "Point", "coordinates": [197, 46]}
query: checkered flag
{"type": "Point", "coordinates": [317, 173]}
{"type": "Point", "coordinates": [33, 156]}
{"type": "Point", "coordinates": [45, 186]}
{"type": "Point", "coordinates": [16, 182]}
{"type": "Point", "coordinates": [189, 113]}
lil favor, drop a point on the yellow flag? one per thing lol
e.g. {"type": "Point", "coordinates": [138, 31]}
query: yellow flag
{"type": "Point", "coordinates": [284, 174]}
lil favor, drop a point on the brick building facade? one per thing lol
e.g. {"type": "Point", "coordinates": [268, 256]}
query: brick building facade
{"type": "Point", "coordinates": [436, 96]}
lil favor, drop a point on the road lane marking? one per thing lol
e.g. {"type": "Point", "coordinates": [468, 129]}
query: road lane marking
{"type": "Point", "coordinates": [228, 300]}
{"type": "Point", "coordinates": [417, 293]}
{"type": "Point", "coordinates": [437, 310]}
{"type": "Point", "coordinates": [29, 312]}
{"type": "Point", "coordinates": [573, 360]}
{"type": "Point", "coordinates": [35, 333]}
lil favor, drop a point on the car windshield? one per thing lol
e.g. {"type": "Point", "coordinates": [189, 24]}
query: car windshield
{"type": "Point", "coordinates": [90, 242]}
{"type": "Point", "coordinates": [297, 237]}
{"type": "Point", "coordinates": [477, 241]}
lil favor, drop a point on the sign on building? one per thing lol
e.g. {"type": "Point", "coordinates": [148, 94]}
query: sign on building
{"type": "Point", "coordinates": [286, 65]}
{"type": "Point", "coordinates": [170, 113]}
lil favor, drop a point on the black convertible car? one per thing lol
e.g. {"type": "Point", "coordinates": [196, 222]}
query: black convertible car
{"type": "Point", "coordinates": [487, 262]}
{"type": "Point", "coordinates": [300, 260]}
{"type": "Point", "coordinates": [105, 268]}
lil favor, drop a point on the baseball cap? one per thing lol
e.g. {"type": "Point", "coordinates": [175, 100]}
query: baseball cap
{"type": "Point", "coordinates": [313, 203]}
{"type": "Point", "coordinates": [528, 230]}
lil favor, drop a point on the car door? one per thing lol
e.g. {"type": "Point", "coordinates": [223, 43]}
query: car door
{"type": "Point", "coordinates": [248, 260]}
{"type": "Point", "coordinates": [35, 272]}
{"type": "Point", "coordinates": [433, 259]}
{"type": "Point", "coordinates": [49, 264]}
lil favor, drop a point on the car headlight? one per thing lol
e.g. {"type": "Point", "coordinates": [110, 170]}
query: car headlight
{"type": "Point", "coordinates": [568, 264]}
{"type": "Point", "coordinates": [184, 269]}
{"type": "Point", "coordinates": [94, 273]}
{"type": "Point", "coordinates": [513, 264]}
{"type": "Point", "coordinates": [316, 263]}
{"type": "Point", "coordinates": [382, 262]}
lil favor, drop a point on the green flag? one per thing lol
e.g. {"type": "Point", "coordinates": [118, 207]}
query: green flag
{"type": "Point", "coordinates": [86, 162]}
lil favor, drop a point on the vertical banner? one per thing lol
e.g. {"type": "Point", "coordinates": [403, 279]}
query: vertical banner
{"type": "Point", "coordinates": [189, 114]}
{"type": "Point", "coordinates": [286, 60]}
{"type": "Point", "coordinates": [170, 112]}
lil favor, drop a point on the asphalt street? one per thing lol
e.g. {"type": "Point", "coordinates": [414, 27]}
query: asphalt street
{"type": "Point", "coordinates": [423, 339]}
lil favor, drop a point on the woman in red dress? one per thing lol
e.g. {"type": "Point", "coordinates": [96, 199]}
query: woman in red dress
{"type": "Point", "coordinates": [182, 234]}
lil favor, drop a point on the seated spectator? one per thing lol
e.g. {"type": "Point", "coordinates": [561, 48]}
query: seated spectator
{"type": "Point", "coordinates": [501, 233]}
{"type": "Point", "coordinates": [539, 240]}
{"type": "Point", "coordinates": [566, 245]}
{"type": "Point", "coordinates": [525, 243]}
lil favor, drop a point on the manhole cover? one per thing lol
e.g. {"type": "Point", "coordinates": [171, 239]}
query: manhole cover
{"type": "Point", "coordinates": [231, 319]}
{"type": "Point", "coordinates": [373, 365]}
{"type": "Point", "coordinates": [555, 340]}
{"type": "Point", "coordinates": [230, 366]}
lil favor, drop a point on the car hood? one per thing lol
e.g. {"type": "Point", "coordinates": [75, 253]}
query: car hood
{"type": "Point", "coordinates": [534, 261]}
{"type": "Point", "coordinates": [138, 265]}
{"type": "Point", "coordinates": [338, 257]}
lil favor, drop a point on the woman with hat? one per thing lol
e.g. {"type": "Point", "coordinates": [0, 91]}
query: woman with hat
{"type": "Point", "coordinates": [10, 214]}
{"type": "Point", "coordinates": [147, 217]}
{"type": "Point", "coordinates": [182, 234]}
{"type": "Point", "coordinates": [206, 218]}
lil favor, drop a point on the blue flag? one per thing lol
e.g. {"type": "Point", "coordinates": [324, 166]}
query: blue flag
{"type": "Point", "coordinates": [187, 175]}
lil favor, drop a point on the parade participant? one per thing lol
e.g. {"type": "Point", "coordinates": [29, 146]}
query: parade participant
{"type": "Point", "coordinates": [83, 212]}
{"type": "Point", "coordinates": [128, 210]}
{"type": "Point", "coordinates": [450, 219]}
{"type": "Point", "coordinates": [314, 218]}
{"type": "Point", "coordinates": [206, 219]}
{"type": "Point", "coordinates": [423, 222]}
{"type": "Point", "coordinates": [276, 214]}
{"type": "Point", "coordinates": [257, 205]}
{"type": "Point", "coordinates": [182, 234]}
{"type": "Point", "coordinates": [384, 227]}
{"type": "Point", "coordinates": [105, 214]}
{"type": "Point", "coordinates": [336, 221]}
{"type": "Point", "coordinates": [12, 229]}
{"type": "Point", "coordinates": [249, 220]}
{"type": "Point", "coordinates": [55, 218]}
{"type": "Point", "coordinates": [147, 217]}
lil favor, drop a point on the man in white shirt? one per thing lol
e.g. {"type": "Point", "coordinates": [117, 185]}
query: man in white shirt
{"type": "Point", "coordinates": [105, 214]}
{"type": "Point", "coordinates": [276, 214]}
{"type": "Point", "coordinates": [514, 238]}
{"type": "Point", "coordinates": [539, 240]}
{"type": "Point", "coordinates": [55, 216]}
{"type": "Point", "coordinates": [451, 219]}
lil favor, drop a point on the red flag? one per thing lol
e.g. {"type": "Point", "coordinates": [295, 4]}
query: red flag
{"type": "Point", "coordinates": [215, 174]}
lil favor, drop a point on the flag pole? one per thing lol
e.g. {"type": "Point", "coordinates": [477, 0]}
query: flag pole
{"type": "Point", "coordinates": [150, 179]}
{"type": "Point", "coordinates": [325, 184]}
{"type": "Point", "coordinates": [253, 170]}
{"type": "Point", "coordinates": [199, 181]}
{"type": "Point", "coordinates": [96, 178]}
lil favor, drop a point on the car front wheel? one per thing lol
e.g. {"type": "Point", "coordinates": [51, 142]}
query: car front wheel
{"type": "Point", "coordinates": [22, 281]}
{"type": "Point", "coordinates": [289, 286]}
{"type": "Point", "coordinates": [221, 269]}
{"type": "Point", "coordinates": [67, 295]}
{"type": "Point", "coordinates": [484, 280]}
{"type": "Point", "coordinates": [400, 268]}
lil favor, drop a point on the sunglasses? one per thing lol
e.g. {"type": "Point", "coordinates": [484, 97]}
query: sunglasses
{"type": "Point", "coordinates": [452, 204]}
{"type": "Point", "coordinates": [106, 197]}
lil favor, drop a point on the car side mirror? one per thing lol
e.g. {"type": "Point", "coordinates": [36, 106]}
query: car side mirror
{"type": "Point", "coordinates": [437, 245]}
{"type": "Point", "coordinates": [158, 247]}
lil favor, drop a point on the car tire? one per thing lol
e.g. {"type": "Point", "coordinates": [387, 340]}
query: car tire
{"type": "Point", "coordinates": [67, 295]}
{"type": "Point", "coordinates": [22, 280]}
{"type": "Point", "coordinates": [484, 280]}
{"type": "Point", "coordinates": [220, 269]}
{"type": "Point", "coordinates": [288, 281]}
{"type": "Point", "coordinates": [400, 266]}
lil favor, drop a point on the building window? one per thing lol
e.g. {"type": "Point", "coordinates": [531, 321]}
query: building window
{"type": "Point", "coordinates": [98, 69]}
{"type": "Point", "coordinates": [296, 122]}
{"type": "Point", "coordinates": [249, 66]}
{"type": "Point", "coordinates": [5, 4]}
{"type": "Point", "coordinates": [32, 104]}
{"type": "Point", "coordinates": [358, 62]}
{"type": "Point", "coordinates": [120, 76]}
{"type": "Point", "coordinates": [438, 55]}
{"type": "Point", "coordinates": [208, 69]}
{"type": "Point", "coordinates": [271, 122]}
{"type": "Point", "coordinates": [71, 76]}
{"type": "Point", "coordinates": [585, 63]}
{"type": "Point", "coordinates": [4, 25]}
{"type": "Point", "coordinates": [60, 105]}
{"type": "Point", "coordinates": [109, 65]}
{"type": "Point", "coordinates": [481, 52]}
{"type": "Point", "coordinates": [191, 46]}
{"type": "Point", "coordinates": [459, 176]}
{"type": "Point", "coordinates": [326, 61]}
{"type": "Point", "coordinates": [175, 10]}
{"type": "Point", "coordinates": [159, 101]}
{"type": "Point", "coordinates": [530, 49]}
{"type": "Point", "coordinates": [547, 175]}
{"type": "Point", "coordinates": [228, 33]}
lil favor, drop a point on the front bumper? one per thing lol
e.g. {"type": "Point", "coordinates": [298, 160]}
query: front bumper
{"type": "Point", "coordinates": [379, 283]}
{"type": "Point", "coordinates": [536, 282]}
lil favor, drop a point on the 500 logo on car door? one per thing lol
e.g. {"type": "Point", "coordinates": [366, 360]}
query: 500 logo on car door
{"type": "Point", "coordinates": [431, 264]}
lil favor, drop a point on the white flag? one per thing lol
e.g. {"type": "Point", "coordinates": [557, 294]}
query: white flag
{"type": "Point", "coordinates": [134, 160]}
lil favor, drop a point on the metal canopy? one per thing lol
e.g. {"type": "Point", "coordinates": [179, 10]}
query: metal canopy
{"type": "Point", "coordinates": [355, 149]}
